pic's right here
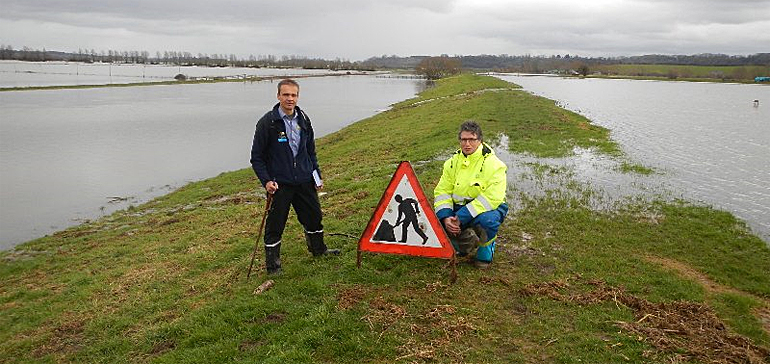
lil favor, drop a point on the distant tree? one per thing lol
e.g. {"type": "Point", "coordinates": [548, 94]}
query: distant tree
{"type": "Point", "coordinates": [717, 74]}
{"type": "Point", "coordinates": [741, 73]}
{"type": "Point", "coordinates": [434, 68]}
{"type": "Point", "coordinates": [6, 52]}
{"type": "Point", "coordinates": [583, 69]}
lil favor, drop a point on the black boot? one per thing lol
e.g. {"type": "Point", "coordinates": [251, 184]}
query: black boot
{"type": "Point", "coordinates": [273, 259]}
{"type": "Point", "coordinates": [316, 246]}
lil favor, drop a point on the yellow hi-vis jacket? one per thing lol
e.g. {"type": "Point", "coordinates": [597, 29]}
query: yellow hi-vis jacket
{"type": "Point", "coordinates": [476, 182]}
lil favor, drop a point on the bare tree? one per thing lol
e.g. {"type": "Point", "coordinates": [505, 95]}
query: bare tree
{"type": "Point", "coordinates": [434, 68]}
{"type": "Point", "coordinates": [583, 69]}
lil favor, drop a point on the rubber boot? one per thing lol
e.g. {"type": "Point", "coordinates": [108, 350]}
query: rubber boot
{"type": "Point", "coordinates": [481, 233]}
{"type": "Point", "coordinates": [485, 253]}
{"type": "Point", "coordinates": [465, 242]}
{"type": "Point", "coordinates": [316, 246]}
{"type": "Point", "coordinates": [273, 259]}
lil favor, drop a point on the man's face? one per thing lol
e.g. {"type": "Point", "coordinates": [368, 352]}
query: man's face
{"type": "Point", "coordinates": [469, 142]}
{"type": "Point", "coordinates": [288, 96]}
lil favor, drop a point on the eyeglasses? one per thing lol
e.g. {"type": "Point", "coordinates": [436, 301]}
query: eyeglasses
{"type": "Point", "coordinates": [468, 140]}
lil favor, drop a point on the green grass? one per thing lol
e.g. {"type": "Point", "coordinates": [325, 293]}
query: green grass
{"type": "Point", "coordinates": [164, 282]}
{"type": "Point", "coordinates": [684, 72]}
{"type": "Point", "coordinates": [626, 167]}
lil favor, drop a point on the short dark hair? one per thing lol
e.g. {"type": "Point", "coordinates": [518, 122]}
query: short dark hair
{"type": "Point", "coordinates": [470, 126]}
{"type": "Point", "coordinates": [287, 81]}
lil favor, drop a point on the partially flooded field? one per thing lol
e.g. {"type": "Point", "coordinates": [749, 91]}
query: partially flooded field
{"type": "Point", "coordinates": [41, 74]}
{"type": "Point", "coordinates": [586, 178]}
{"type": "Point", "coordinates": [707, 142]}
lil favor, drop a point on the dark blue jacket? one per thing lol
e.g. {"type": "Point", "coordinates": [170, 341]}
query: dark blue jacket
{"type": "Point", "coordinates": [271, 155]}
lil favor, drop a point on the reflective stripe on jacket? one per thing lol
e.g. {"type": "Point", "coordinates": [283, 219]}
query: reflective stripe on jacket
{"type": "Point", "coordinates": [475, 182]}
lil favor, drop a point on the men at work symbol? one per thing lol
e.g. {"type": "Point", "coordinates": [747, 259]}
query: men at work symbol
{"type": "Point", "coordinates": [408, 210]}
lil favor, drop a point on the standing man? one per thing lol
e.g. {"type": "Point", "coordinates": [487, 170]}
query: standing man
{"type": "Point", "coordinates": [283, 157]}
{"type": "Point", "coordinates": [470, 196]}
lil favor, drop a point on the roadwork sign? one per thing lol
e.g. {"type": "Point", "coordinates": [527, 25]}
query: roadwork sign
{"type": "Point", "coordinates": [404, 221]}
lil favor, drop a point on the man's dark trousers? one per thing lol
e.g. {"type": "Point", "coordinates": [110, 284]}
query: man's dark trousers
{"type": "Point", "coordinates": [304, 198]}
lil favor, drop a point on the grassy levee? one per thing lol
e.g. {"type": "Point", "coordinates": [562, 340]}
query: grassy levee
{"type": "Point", "coordinates": [164, 282]}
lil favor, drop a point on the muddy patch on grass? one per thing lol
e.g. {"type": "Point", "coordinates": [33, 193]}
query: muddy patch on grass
{"type": "Point", "coordinates": [65, 339]}
{"type": "Point", "coordinates": [162, 348]}
{"type": "Point", "coordinates": [686, 271]}
{"type": "Point", "coordinates": [522, 250]}
{"type": "Point", "coordinates": [383, 313]}
{"type": "Point", "coordinates": [240, 198]}
{"type": "Point", "coordinates": [693, 274]}
{"type": "Point", "coordinates": [349, 297]}
{"type": "Point", "coordinates": [686, 329]}
{"type": "Point", "coordinates": [249, 345]}
{"type": "Point", "coordinates": [275, 318]}
{"type": "Point", "coordinates": [22, 255]}
{"type": "Point", "coordinates": [437, 335]}
{"type": "Point", "coordinates": [764, 317]}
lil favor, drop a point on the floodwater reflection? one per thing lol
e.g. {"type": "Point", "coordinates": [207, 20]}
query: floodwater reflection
{"type": "Point", "coordinates": [586, 178]}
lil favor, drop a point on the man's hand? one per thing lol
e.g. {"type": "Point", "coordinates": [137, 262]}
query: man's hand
{"type": "Point", "coordinates": [271, 187]}
{"type": "Point", "coordinates": [452, 225]}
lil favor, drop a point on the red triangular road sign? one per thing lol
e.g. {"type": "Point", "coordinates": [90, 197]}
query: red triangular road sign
{"type": "Point", "coordinates": [404, 212]}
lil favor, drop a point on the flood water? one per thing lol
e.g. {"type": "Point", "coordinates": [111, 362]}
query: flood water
{"type": "Point", "coordinates": [27, 74]}
{"type": "Point", "coordinates": [65, 153]}
{"type": "Point", "coordinates": [709, 141]}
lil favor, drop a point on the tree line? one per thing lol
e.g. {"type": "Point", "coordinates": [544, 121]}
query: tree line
{"type": "Point", "coordinates": [541, 64]}
{"type": "Point", "coordinates": [429, 66]}
{"type": "Point", "coordinates": [715, 66]}
{"type": "Point", "coordinates": [176, 58]}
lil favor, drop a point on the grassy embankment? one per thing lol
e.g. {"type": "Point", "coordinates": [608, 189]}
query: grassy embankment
{"type": "Point", "coordinates": [738, 74]}
{"type": "Point", "coordinates": [164, 282]}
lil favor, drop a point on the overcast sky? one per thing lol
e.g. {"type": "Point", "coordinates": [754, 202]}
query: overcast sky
{"type": "Point", "coordinates": [356, 30]}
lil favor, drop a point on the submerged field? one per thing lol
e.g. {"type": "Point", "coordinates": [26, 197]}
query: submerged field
{"type": "Point", "coordinates": [743, 74]}
{"type": "Point", "coordinates": [165, 282]}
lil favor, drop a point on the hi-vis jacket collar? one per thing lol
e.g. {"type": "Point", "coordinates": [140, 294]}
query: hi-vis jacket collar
{"type": "Point", "coordinates": [485, 150]}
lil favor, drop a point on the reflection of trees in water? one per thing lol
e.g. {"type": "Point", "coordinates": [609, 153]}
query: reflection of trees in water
{"type": "Point", "coordinates": [424, 85]}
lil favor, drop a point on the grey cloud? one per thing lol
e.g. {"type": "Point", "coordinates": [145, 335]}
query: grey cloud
{"type": "Point", "coordinates": [222, 10]}
{"type": "Point", "coordinates": [360, 29]}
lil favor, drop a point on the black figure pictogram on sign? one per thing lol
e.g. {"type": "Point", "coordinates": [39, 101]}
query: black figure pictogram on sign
{"type": "Point", "coordinates": [408, 208]}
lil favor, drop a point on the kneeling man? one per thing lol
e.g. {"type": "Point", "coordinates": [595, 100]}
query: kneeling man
{"type": "Point", "coordinates": [470, 197]}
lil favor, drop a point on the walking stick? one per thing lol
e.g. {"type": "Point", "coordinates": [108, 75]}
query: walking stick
{"type": "Point", "coordinates": [268, 203]}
